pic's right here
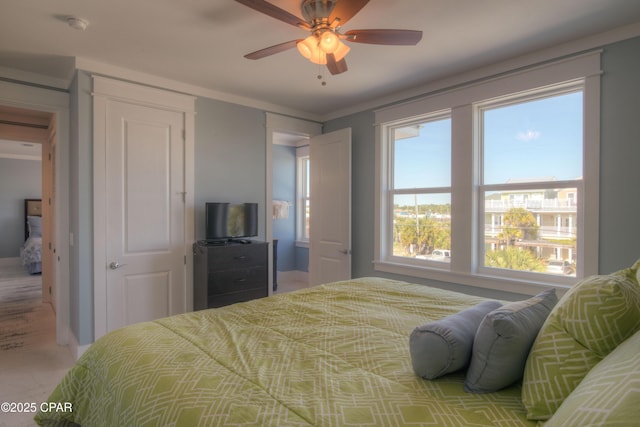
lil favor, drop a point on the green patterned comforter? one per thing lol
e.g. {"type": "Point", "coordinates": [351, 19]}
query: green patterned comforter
{"type": "Point", "coordinates": [331, 355]}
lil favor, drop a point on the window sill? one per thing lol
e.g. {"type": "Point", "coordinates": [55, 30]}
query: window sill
{"type": "Point", "coordinates": [525, 286]}
{"type": "Point", "coordinates": [302, 244]}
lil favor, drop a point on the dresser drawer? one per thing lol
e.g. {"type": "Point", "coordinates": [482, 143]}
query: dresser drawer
{"type": "Point", "coordinates": [236, 280]}
{"type": "Point", "coordinates": [226, 299]}
{"type": "Point", "coordinates": [229, 273]}
{"type": "Point", "coordinates": [236, 257]}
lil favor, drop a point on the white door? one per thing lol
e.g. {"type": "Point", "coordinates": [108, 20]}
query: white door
{"type": "Point", "coordinates": [330, 217]}
{"type": "Point", "coordinates": [145, 214]}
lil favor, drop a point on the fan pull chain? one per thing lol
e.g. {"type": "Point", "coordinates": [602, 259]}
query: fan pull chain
{"type": "Point", "coordinates": [321, 75]}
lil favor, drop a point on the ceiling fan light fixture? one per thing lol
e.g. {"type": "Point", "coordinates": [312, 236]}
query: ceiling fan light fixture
{"type": "Point", "coordinates": [319, 57]}
{"type": "Point", "coordinates": [329, 41]}
{"type": "Point", "coordinates": [324, 18]}
{"type": "Point", "coordinates": [303, 48]}
{"type": "Point", "coordinates": [317, 10]}
{"type": "Point", "coordinates": [310, 49]}
{"type": "Point", "coordinates": [306, 46]}
{"type": "Point", "coordinates": [341, 51]}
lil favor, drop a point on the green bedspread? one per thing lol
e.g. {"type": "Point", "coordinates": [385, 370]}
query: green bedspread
{"type": "Point", "coordinates": [331, 355]}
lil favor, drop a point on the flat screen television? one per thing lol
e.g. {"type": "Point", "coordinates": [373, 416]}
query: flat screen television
{"type": "Point", "coordinates": [224, 221]}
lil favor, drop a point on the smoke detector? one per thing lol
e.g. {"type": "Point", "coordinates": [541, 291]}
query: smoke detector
{"type": "Point", "coordinates": [77, 23]}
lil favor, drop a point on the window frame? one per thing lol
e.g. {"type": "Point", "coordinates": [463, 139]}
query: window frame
{"type": "Point", "coordinates": [509, 100]}
{"type": "Point", "coordinates": [579, 71]}
{"type": "Point", "coordinates": [388, 241]}
{"type": "Point", "coordinates": [302, 180]}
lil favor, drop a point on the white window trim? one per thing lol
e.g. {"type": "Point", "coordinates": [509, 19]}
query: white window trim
{"type": "Point", "coordinates": [461, 100]}
{"type": "Point", "coordinates": [301, 153]}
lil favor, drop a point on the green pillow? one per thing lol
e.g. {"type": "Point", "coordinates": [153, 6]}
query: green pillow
{"type": "Point", "coordinates": [608, 395]}
{"type": "Point", "coordinates": [503, 341]}
{"type": "Point", "coordinates": [589, 321]}
{"type": "Point", "coordinates": [444, 346]}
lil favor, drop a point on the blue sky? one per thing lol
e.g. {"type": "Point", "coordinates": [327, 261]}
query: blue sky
{"type": "Point", "coordinates": [425, 160]}
{"type": "Point", "coordinates": [536, 139]}
{"type": "Point", "coordinates": [540, 138]}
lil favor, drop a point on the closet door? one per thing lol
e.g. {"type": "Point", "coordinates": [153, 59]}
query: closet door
{"type": "Point", "coordinates": [145, 213]}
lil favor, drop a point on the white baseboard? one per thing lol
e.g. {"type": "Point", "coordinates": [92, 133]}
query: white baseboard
{"type": "Point", "coordinates": [76, 349]}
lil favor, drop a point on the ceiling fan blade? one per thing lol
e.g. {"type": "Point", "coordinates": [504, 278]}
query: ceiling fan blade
{"type": "Point", "coordinates": [272, 50]}
{"type": "Point", "coordinates": [273, 11]}
{"type": "Point", "coordinates": [336, 67]}
{"type": "Point", "coordinates": [345, 10]}
{"type": "Point", "coordinates": [388, 37]}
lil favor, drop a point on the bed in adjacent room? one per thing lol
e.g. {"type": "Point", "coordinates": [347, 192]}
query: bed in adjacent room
{"type": "Point", "coordinates": [31, 250]}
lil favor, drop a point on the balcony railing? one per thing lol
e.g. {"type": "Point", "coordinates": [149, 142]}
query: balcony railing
{"type": "Point", "coordinates": [545, 205]}
{"type": "Point", "coordinates": [543, 232]}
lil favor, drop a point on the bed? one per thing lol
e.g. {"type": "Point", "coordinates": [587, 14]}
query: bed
{"type": "Point", "coordinates": [330, 355]}
{"type": "Point", "coordinates": [31, 250]}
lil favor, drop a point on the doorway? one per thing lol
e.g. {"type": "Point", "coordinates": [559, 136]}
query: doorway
{"type": "Point", "coordinates": [290, 245]}
{"type": "Point", "coordinates": [301, 133]}
{"type": "Point", "coordinates": [55, 103]}
{"type": "Point", "coordinates": [284, 134]}
{"type": "Point", "coordinates": [27, 152]}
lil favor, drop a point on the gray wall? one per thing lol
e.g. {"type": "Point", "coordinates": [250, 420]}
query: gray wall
{"type": "Point", "coordinates": [230, 158]}
{"type": "Point", "coordinates": [81, 207]}
{"type": "Point", "coordinates": [620, 156]}
{"type": "Point", "coordinates": [19, 179]}
{"type": "Point", "coordinates": [302, 259]}
{"type": "Point", "coordinates": [284, 188]}
{"type": "Point", "coordinates": [619, 172]}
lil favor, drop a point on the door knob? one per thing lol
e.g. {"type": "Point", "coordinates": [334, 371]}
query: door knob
{"type": "Point", "coordinates": [114, 265]}
{"type": "Point", "coordinates": [346, 251]}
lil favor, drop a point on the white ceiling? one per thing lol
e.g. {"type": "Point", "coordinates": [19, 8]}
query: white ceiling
{"type": "Point", "coordinates": [201, 43]}
{"type": "Point", "coordinates": [20, 150]}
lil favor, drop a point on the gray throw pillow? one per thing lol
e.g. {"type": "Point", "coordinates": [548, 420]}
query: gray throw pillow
{"type": "Point", "coordinates": [444, 346]}
{"type": "Point", "coordinates": [503, 341]}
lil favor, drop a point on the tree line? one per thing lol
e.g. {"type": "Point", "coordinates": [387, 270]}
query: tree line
{"type": "Point", "coordinates": [429, 227]}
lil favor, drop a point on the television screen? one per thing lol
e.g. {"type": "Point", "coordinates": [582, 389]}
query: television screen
{"type": "Point", "coordinates": [230, 220]}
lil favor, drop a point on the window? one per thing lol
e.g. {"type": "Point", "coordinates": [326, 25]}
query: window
{"type": "Point", "coordinates": [494, 184]}
{"type": "Point", "coordinates": [531, 166]}
{"type": "Point", "coordinates": [421, 188]}
{"type": "Point", "coordinates": [302, 190]}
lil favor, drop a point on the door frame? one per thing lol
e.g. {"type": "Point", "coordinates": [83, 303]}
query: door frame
{"type": "Point", "coordinates": [276, 123]}
{"type": "Point", "coordinates": [57, 102]}
{"type": "Point", "coordinates": [49, 213]}
{"type": "Point", "coordinates": [104, 90]}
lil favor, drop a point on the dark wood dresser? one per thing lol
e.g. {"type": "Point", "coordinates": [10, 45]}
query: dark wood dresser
{"type": "Point", "coordinates": [228, 273]}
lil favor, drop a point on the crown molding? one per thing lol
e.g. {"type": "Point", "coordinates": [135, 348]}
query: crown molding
{"type": "Point", "coordinates": [113, 71]}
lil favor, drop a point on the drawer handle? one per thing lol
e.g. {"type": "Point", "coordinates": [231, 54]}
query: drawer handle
{"type": "Point", "coordinates": [241, 280]}
{"type": "Point", "coordinates": [241, 257]}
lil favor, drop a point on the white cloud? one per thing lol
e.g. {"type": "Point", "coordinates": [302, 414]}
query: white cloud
{"type": "Point", "coordinates": [529, 135]}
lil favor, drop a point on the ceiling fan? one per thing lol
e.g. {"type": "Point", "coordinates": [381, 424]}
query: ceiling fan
{"type": "Point", "coordinates": [324, 19]}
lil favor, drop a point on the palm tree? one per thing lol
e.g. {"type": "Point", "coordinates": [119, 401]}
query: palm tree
{"type": "Point", "coordinates": [514, 259]}
{"type": "Point", "coordinates": [519, 224]}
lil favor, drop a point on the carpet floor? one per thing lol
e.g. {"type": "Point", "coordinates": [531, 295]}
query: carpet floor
{"type": "Point", "coordinates": [25, 321]}
{"type": "Point", "coordinates": [31, 363]}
